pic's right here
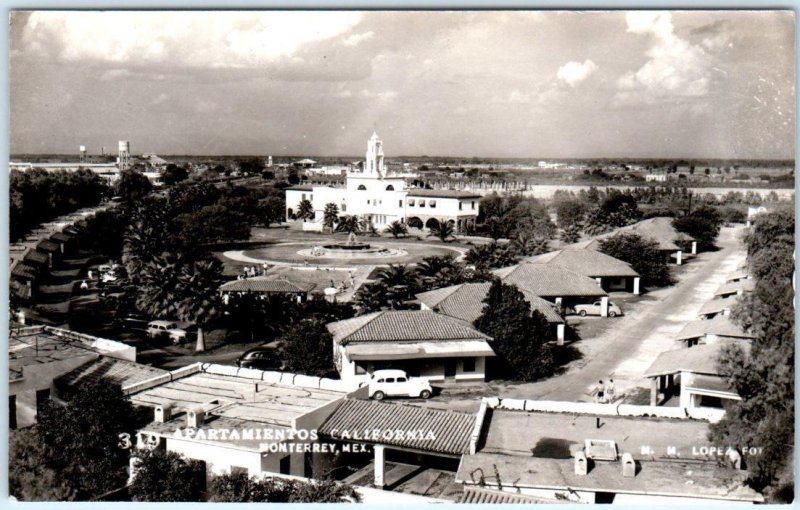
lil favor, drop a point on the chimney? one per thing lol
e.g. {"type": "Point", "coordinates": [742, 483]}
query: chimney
{"type": "Point", "coordinates": [628, 466]}
{"type": "Point", "coordinates": [581, 463]}
{"type": "Point", "coordinates": [195, 417]}
{"type": "Point", "coordinates": [163, 413]}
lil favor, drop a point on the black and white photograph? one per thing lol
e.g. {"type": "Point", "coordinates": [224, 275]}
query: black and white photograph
{"type": "Point", "coordinates": [401, 257]}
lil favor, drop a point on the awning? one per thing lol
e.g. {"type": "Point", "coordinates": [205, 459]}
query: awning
{"type": "Point", "coordinates": [414, 350]}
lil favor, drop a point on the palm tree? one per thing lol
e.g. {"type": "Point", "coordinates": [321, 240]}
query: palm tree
{"type": "Point", "coordinates": [527, 244]}
{"type": "Point", "coordinates": [349, 225]}
{"type": "Point", "coordinates": [401, 281]}
{"type": "Point", "coordinates": [305, 211]}
{"type": "Point", "coordinates": [442, 229]}
{"type": "Point", "coordinates": [330, 215]}
{"type": "Point", "coordinates": [397, 229]}
{"type": "Point", "coordinates": [441, 271]}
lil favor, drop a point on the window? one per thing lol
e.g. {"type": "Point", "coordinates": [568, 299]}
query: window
{"type": "Point", "coordinates": [285, 467]}
{"type": "Point", "coordinates": [411, 202]}
{"type": "Point", "coordinates": [303, 196]}
{"type": "Point", "coordinates": [390, 379]}
{"type": "Point", "coordinates": [422, 203]}
{"type": "Point", "coordinates": [381, 380]}
{"type": "Point", "coordinates": [400, 203]}
{"type": "Point", "coordinates": [361, 187]}
{"type": "Point", "coordinates": [460, 206]}
{"type": "Point", "coordinates": [390, 188]}
{"type": "Point", "coordinates": [469, 365]}
{"type": "Point", "coordinates": [367, 201]}
{"type": "Point", "coordinates": [401, 379]}
{"type": "Point", "coordinates": [344, 207]}
{"type": "Point", "coordinates": [432, 203]}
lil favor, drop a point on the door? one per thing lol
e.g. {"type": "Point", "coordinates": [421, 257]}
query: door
{"type": "Point", "coordinates": [450, 369]}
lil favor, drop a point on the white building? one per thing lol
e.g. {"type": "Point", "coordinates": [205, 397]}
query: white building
{"type": "Point", "coordinates": [382, 199]}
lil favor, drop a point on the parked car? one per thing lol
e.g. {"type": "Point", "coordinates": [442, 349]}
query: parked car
{"type": "Point", "coordinates": [260, 358]}
{"type": "Point", "coordinates": [594, 309]}
{"type": "Point", "coordinates": [132, 322]}
{"type": "Point", "coordinates": [166, 329]}
{"type": "Point", "coordinates": [396, 383]}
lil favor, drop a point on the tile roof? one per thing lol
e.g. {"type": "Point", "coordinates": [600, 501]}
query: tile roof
{"type": "Point", "coordinates": [37, 256]}
{"type": "Point", "coordinates": [441, 193]}
{"type": "Point", "coordinates": [733, 287]}
{"type": "Point", "coordinates": [61, 237]}
{"type": "Point", "coordinates": [720, 325]}
{"type": "Point", "coordinates": [267, 284]}
{"type": "Point", "coordinates": [402, 326]}
{"type": "Point", "coordinates": [435, 430]}
{"type": "Point", "coordinates": [700, 359]}
{"type": "Point", "coordinates": [22, 270]}
{"type": "Point", "coordinates": [548, 281]}
{"type": "Point", "coordinates": [718, 305]}
{"type": "Point", "coordinates": [48, 246]}
{"type": "Point", "coordinates": [589, 263]}
{"type": "Point", "coordinates": [484, 496]}
{"type": "Point", "coordinates": [658, 229]}
{"type": "Point", "coordinates": [115, 371]}
{"type": "Point", "coordinates": [465, 302]}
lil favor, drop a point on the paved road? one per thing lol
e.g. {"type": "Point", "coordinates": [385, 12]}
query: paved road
{"type": "Point", "coordinates": [625, 350]}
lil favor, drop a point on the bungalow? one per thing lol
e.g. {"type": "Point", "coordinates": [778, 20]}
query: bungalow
{"type": "Point", "coordinates": [739, 274]}
{"type": "Point", "coordinates": [421, 342]}
{"type": "Point", "coordinates": [718, 306]}
{"type": "Point", "coordinates": [265, 286]}
{"type": "Point", "coordinates": [711, 331]}
{"type": "Point", "coordinates": [691, 374]}
{"type": "Point", "coordinates": [465, 302]}
{"type": "Point", "coordinates": [658, 229]}
{"type": "Point", "coordinates": [736, 288]}
{"type": "Point", "coordinates": [610, 273]}
{"type": "Point", "coordinates": [567, 452]}
{"type": "Point", "coordinates": [555, 284]}
{"type": "Point", "coordinates": [40, 357]}
{"type": "Point", "coordinates": [239, 419]}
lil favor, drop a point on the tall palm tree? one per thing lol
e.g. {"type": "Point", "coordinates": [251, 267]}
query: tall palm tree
{"type": "Point", "coordinates": [305, 210]}
{"type": "Point", "coordinates": [442, 229]}
{"type": "Point", "coordinates": [330, 216]}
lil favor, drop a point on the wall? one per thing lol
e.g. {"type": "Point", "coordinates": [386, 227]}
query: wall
{"type": "Point", "coordinates": [218, 459]}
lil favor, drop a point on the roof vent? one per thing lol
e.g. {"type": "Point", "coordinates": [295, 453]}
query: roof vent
{"type": "Point", "coordinates": [581, 463]}
{"type": "Point", "coordinates": [628, 466]}
{"type": "Point", "coordinates": [601, 449]}
{"type": "Point", "coordinates": [163, 413]}
{"type": "Point", "coordinates": [195, 417]}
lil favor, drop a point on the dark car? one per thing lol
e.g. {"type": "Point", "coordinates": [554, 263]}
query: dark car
{"type": "Point", "coordinates": [132, 322]}
{"type": "Point", "coordinates": [260, 359]}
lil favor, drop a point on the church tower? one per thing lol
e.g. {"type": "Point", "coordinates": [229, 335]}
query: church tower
{"type": "Point", "coordinates": [374, 161]}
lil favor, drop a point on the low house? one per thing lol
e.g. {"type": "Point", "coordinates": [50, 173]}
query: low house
{"type": "Point", "coordinates": [610, 273]}
{"type": "Point", "coordinates": [44, 361]}
{"type": "Point", "coordinates": [421, 342]}
{"type": "Point", "coordinates": [465, 302]}
{"type": "Point", "coordinates": [566, 452]}
{"type": "Point", "coordinates": [692, 375]}
{"type": "Point", "coordinates": [240, 420]}
{"type": "Point", "coordinates": [670, 241]}
{"type": "Point", "coordinates": [718, 306]}
{"type": "Point", "coordinates": [715, 330]}
{"type": "Point", "coordinates": [736, 288]}
{"type": "Point", "coordinates": [554, 283]}
{"type": "Point", "coordinates": [265, 286]}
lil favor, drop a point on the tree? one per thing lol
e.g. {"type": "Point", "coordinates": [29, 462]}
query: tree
{"type": "Point", "coordinates": [211, 224]}
{"type": "Point", "coordinates": [642, 254]}
{"type": "Point", "coordinates": [519, 335]}
{"type": "Point", "coordinates": [764, 379]}
{"type": "Point", "coordinates": [330, 216]}
{"type": "Point", "coordinates": [82, 439]}
{"type": "Point", "coordinates": [307, 348]}
{"type": "Point", "coordinates": [164, 476]}
{"type": "Point", "coordinates": [371, 297]}
{"type": "Point", "coordinates": [570, 212]}
{"type": "Point", "coordinates": [527, 243]}
{"type": "Point", "coordinates": [616, 210]}
{"type": "Point", "coordinates": [440, 271]}
{"type": "Point", "coordinates": [29, 477]}
{"type": "Point", "coordinates": [241, 488]}
{"type": "Point", "coordinates": [397, 229]}
{"type": "Point", "coordinates": [349, 225]}
{"type": "Point", "coordinates": [173, 174]}
{"type": "Point", "coordinates": [702, 224]}
{"type": "Point", "coordinates": [571, 234]}
{"type": "Point", "coordinates": [132, 186]}
{"type": "Point", "coordinates": [273, 210]}
{"type": "Point", "coordinates": [442, 229]}
{"type": "Point", "coordinates": [305, 210]}
{"type": "Point", "coordinates": [491, 256]}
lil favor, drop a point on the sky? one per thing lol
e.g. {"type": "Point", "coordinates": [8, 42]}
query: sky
{"type": "Point", "coordinates": [528, 84]}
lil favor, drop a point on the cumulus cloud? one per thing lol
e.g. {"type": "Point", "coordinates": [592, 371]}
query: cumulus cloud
{"type": "Point", "coordinates": [674, 67]}
{"type": "Point", "coordinates": [574, 73]}
{"type": "Point", "coordinates": [228, 39]}
{"type": "Point", "coordinates": [356, 39]}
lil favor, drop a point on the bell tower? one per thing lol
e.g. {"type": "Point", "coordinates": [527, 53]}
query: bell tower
{"type": "Point", "coordinates": [374, 160]}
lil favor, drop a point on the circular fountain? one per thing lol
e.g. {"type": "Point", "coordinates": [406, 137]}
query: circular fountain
{"type": "Point", "coordinates": [351, 248]}
{"type": "Point", "coordinates": [351, 244]}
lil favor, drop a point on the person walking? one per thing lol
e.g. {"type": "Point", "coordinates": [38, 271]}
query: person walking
{"type": "Point", "coordinates": [609, 390]}
{"type": "Point", "coordinates": [599, 396]}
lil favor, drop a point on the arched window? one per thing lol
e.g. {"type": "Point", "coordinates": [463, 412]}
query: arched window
{"type": "Point", "coordinates": [361, 187]}
{"type": "Point", "coordinates": [390, 188]}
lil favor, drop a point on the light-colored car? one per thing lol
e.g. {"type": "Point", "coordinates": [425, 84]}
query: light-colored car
{"type": "Point", "coordinates": [167, 329]}
{"type": "Point", "coordinates": [396, 383]}
{"type": "Point", "coordinates": [594, 309]}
